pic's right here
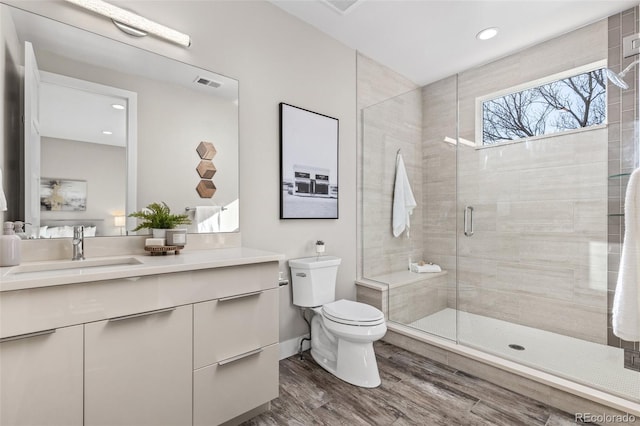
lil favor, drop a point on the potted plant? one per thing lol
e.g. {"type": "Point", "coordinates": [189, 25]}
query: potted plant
{"type": "Point", "coordinates": [158, 218]}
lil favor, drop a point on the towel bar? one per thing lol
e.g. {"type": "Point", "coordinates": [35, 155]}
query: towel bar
{"type": "Point", "coordinates": [188, 209]}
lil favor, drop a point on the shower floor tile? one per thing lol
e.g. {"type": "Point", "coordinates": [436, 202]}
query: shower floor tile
{"type": "Point", "coordinates": [589, 363]}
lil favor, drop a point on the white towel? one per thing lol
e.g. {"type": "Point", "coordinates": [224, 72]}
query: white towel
{"type": "Point", "coordinates": [3, 200]}
{"type": "Point", "coordinates": [207, 218]}
{"type": "Point", "coordinates": [626, 302]}
{"type": "Point", "coordinates": [403, 201]}
{"type": "Point", "coordinates": [426, 267]}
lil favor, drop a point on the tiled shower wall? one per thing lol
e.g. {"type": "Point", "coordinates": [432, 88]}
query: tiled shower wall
{"type": "Point", "coordinates": [439, 107]}
{"type": "Point", "coordinates": [391, 108]}
{"type": "Point", "coordinates": [391, 127]}
{"type": "Point", "coordinates": [623, 148]}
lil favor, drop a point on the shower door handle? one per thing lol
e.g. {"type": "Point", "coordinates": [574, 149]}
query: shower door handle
{"type": "Point", "coordinates": [468, 221]}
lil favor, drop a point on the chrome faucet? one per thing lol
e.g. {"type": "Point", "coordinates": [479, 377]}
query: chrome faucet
{"type": "Point", "coordinates": [78, 243]}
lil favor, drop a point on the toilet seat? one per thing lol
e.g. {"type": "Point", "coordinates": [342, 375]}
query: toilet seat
{"type": "Point", "coordinates": [352, 313]}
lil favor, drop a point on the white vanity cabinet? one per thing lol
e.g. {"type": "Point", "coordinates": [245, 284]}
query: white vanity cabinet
{"type": "Point", "coordinates": [235, 355]}
{"type": "Point", "coordinates": [189, 342]}
{"type": "Point", "coordinates": [138, 369]}
{"type": "Point", "coordinates": [230, 326]}
{"type": "Point", "coordinates": [41, 378]}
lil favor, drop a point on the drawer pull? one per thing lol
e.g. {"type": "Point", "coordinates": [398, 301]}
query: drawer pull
{"type": "Point", "coordinates": [239, 357]}
{"type": "Point", "coordinates": [239, 296]}
{"type": "Point", "coordinates": [141, 314]}
{"type": "Point", "coordinates": [27, 335]}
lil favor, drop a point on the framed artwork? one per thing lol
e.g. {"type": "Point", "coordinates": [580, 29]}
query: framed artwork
{"type": "Point", "coordinates": [63, 195]}
{"type": "Point", "coordinates": [308, 164]}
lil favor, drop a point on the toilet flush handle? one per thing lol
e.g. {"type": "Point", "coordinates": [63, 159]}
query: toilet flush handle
{"type": "Point", "coordinates": [301, 274]}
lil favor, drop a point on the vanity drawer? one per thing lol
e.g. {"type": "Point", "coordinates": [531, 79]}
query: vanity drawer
{"type": "Point", "coordinates": [223, 282]}
{"type": "Point", "coordinates": [231, 387]}
{"type": "Point", "coordinates": [234, 325]}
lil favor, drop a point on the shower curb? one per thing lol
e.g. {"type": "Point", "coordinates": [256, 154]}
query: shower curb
{"type": "Point", "coordinates": [549, 389]}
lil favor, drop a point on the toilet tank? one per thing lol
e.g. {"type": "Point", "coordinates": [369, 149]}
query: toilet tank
{"type": "Point", "coordinates": [313, 280]}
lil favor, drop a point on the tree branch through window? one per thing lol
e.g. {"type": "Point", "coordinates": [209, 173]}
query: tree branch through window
{"type": "Point", "coordinates": [567, 104]}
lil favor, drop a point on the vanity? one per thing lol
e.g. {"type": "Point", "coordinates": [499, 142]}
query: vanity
{"type": "Point", "coordinates": [172, 340]}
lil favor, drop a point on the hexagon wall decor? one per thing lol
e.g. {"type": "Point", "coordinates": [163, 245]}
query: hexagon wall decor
{"type": "Point", "coordinates": [206, 150]}
{"type": "Point", "coordinates": [206, 189]}
{"type": "Point", "coordinates": [206, 169]}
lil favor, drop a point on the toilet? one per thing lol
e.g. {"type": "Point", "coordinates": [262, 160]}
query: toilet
{"type": "Point", "coordinates": [342, 331]}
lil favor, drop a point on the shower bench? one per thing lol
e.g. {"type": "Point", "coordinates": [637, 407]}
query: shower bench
{"type": "Point", "coordinates": [405, 296]}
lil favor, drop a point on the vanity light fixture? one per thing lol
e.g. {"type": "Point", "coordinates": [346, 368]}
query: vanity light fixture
{"type": "Point", "coordinates": [117, 106]}
{"type": "Point", "coordinates": [487, 33]}
{"type": "Point", "coordinates": [107, 132]}
{"type": "Point", "coordinates": [133, 24]}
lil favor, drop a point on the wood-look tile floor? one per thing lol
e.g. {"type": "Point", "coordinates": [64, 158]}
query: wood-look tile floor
{"type": "Point", "coordinates": [414, 391]}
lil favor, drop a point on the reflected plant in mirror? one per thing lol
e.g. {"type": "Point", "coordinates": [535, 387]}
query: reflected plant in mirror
{"type": "Point", "coordinates": [120, 118]}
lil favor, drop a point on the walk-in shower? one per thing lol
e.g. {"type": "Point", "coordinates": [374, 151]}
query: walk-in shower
{"type": "Point", "coordinates": [519, 187]}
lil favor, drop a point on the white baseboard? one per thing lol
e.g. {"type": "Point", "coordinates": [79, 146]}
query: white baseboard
{"type": "Point", "coordinates": [292, 346]}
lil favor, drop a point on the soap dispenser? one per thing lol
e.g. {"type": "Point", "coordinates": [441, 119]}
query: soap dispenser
{"type": "Point", "coordinates": [9, 246]}
{"type": "Point", "coordinates": [18, 228]}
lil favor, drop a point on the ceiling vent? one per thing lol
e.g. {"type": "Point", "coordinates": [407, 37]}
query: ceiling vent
{"type": "Point", "coordinates": [342, 6]}
{"type": "Point", "coordinates": [207, 82]}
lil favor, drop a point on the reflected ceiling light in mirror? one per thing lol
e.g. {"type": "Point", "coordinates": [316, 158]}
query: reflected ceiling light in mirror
{"type": "Point", "coordinates": [117, 106]}
{"type": "Point", "coordinates": [487, 33]}
{"type": "Point", "coordinates": [133, 24]}
{"type": "Point", "coordinates": [107, 132]}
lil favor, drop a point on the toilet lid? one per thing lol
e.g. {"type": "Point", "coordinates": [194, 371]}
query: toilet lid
{"type": "Point", "coordinates": [352, 312]}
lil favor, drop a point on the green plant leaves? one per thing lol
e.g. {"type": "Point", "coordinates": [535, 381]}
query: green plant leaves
{"type": "Point", "coordinates": [158, 216]}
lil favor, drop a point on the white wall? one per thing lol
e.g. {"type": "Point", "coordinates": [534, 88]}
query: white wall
{"type": "Point", "coordinates": [104, 169]}
{"type": "Point", "coordinates": [276, 58]}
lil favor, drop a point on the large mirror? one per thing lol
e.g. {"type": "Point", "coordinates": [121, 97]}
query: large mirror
{"type": "Point", "coordinates": [110, 128]}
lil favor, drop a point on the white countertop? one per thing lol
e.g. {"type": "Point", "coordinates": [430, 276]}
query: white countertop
{"type": "Point", "coordinates": [149, 265]}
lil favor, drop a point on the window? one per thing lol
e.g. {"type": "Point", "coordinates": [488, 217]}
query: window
{"type": "Point", "coordinates": [573, 101]}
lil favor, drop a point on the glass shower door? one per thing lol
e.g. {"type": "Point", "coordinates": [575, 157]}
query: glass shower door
{"type": "Point", "coordinates": [397, 127]}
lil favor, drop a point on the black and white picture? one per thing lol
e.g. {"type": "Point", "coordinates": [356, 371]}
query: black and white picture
{"type": "Point", "coordinates": [63, 195]}
{"type": "Point", "coordinates": [308, 164]}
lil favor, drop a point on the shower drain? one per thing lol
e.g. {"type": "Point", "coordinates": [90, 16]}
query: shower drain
{"type": "Point", "coordinates": [516, 347]}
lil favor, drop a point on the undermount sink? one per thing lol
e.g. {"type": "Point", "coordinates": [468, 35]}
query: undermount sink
{"type": "Point", "coordinates": [74, 264]}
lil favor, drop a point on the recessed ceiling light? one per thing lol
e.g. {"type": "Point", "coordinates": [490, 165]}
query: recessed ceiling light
{"type": "Point", "coordinates": [117, 106]}
{"type": "Point", "coordinates": [106, 132]}
{"type": "Point", "coordinates": [487, 33]}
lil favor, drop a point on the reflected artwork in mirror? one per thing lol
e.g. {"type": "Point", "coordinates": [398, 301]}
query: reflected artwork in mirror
{"type": "Point", "coordinates": [123, 120]}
